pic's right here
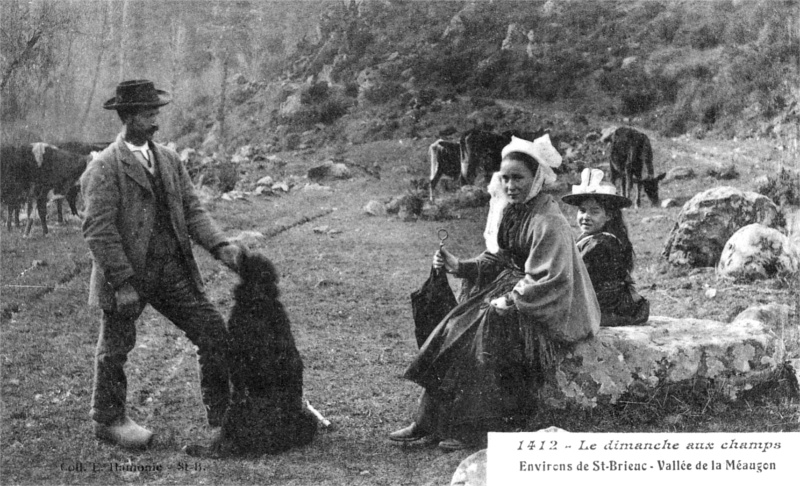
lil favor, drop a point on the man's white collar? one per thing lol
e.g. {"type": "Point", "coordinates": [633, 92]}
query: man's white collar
{"type": "Point", "coordinates": [141, 148]}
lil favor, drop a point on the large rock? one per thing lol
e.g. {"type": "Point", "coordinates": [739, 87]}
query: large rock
{"type": "Point", "coordinates": [709, 219]}
{"type": "Point", "coordinates": [471, 471]}
{"type": "Point", "coordinates": [792, 216]}
{"type": "Point", "coordinates": [637, 360]}
{"type": "Point", "coordinates": [329, 170]}
{"type": "Point", "coordinates": [757, 252]}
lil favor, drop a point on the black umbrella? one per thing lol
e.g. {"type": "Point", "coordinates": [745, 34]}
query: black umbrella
{"type": "Point", "coordinates": [431, 302]}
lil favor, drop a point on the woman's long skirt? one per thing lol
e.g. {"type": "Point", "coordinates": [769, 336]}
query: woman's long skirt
{"type": "Point", "coordinates": [473, 369]}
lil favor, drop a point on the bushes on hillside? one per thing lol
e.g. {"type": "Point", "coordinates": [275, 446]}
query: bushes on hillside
{"type": "Point", "coordinates": [783, 188]}
{"type": "Point", "coordinates": [637, 90]}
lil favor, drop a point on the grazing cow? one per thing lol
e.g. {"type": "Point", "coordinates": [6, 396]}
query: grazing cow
{"type": "Point", "coordinates": [482, 149]}
{"type": "Point", "coordinates": [51, 169]}
{"type": "Point", "coordinates": [632, 161]}
{"type": "Point", "coordinates": [445, 160]}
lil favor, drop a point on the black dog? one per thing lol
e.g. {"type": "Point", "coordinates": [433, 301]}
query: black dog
{"type": "Point", "coordinates": [267, 414]}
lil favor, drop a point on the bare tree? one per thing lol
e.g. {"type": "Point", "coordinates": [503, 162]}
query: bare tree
{"type": "Point", "coordinates": [101, 50]}
{"type": "Point", "coordinates": [27, 51]}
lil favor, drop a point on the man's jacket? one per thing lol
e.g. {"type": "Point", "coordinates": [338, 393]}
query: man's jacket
{"type": "Point", "coordinates": [120, 216]}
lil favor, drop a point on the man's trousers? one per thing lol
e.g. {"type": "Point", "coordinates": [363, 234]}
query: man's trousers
{"type": "Point", "coordinates": [167, 288]}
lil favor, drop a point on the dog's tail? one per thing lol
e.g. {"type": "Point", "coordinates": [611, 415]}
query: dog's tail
{"type": "Point", "coordinates": [323, 422]}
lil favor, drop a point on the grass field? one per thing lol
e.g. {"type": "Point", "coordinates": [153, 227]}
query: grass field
{"type": "Point", "coordinates": [347, 294]}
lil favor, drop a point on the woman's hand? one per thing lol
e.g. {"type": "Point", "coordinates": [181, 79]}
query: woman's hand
{"type": "Point", "coordinates": [502, 305]}
{"type": "Point", "coordinates": [445, 259]}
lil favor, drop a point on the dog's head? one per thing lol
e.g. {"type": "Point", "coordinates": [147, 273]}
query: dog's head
{"type": "Point", "coordinates": [258, 274]}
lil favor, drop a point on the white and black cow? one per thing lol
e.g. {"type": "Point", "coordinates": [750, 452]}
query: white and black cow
{"type": "Point", "coordinates": [482, 150]}
{"type": "Point", "coordinates": [445, 159]}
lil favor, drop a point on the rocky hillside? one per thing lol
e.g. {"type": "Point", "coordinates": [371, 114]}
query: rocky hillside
{"type": "Point", "coordinates": [399, 68]}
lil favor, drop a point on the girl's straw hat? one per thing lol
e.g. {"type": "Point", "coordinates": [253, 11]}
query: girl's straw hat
{"type": "Point", "coordinates": [592, 186]}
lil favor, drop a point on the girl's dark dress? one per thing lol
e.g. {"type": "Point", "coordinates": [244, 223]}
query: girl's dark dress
{"type": "Point", "coordinates": [480, 369]}
{"type": "Point", "coordinates": [620, 304]}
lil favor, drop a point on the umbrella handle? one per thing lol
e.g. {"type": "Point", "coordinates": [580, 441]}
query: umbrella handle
{"type": "Point", "coordinates": [442, 235]}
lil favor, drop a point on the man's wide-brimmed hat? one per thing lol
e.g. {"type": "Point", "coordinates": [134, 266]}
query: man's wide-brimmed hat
{"type": "Point", "coordinates": [593, 187]}
{"type": "Point", "coordinates": [138, 93]}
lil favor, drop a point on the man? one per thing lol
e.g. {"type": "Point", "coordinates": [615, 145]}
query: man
{"type": "Point", "coordinates": [141, 210]}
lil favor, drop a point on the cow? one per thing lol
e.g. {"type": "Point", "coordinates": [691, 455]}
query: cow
{"type": "Point", "coordinates": [482, 149]}
{"type": "Point", "coordinates": [15, 177]}
{"type": "Point", "coordinates": [36, 169]}
{"type": "Point", "coordinates": [445, 159]}
{"type": "Point", "coordinates": [632, 162]}
{"type": "Point", "coordinates": [81, 148]}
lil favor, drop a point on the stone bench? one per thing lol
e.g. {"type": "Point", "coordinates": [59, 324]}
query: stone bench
{"type": "Point", "coordinates": [758, 346]}
{"type": "Point", "coordinates": [636, 360]}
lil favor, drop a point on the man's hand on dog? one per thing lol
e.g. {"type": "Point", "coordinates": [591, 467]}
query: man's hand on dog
{"type": "Point", "coordinates": [231, 256]}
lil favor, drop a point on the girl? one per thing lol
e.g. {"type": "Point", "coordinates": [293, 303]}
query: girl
{"type": "Point", "coordinates": [607, 250]}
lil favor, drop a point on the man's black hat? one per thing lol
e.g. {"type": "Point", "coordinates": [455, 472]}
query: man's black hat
{"type": "Point", "coordinates": [138, 93]}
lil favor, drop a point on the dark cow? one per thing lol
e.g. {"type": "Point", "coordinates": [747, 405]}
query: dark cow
{"type": "Point", "coordinates": [632, 162]}
{"type": "Point", "coordinates": [482, 149]}
{"type": "Point", "coordinates": [81, 148]}
{"type": "Point", "coordinates": [51, 169]}
{"type": "Point", "coordinates": [445, 160]}
{"type": "Point", "coordinates": [15, 180]}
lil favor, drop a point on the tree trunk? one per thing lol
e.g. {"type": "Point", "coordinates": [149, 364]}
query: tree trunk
{"type": "Point", "coordinates": [123, 41]}
{"type": "Point", "coordinates": [222, 94]}
{"type": "Point", "coordinates": [100, 53]}
{"type": "Point", "coordinates": [29, 46]}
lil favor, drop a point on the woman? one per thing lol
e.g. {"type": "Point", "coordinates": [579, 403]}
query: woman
{"type": "Point", "coordinates": [607, 250]}
{"type": "Point", "coordinates": [525, 295]}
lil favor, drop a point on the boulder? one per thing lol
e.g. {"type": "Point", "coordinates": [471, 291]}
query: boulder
{"type": "Point", "coordinates": [265, 181]}
{"type": "Point", "coordinates": [408, 203]}
{"type": "Point", "coordinates": [668, 203]}
{"type": "Point", "coordinates": [709, 219]}
{"type": "Point", "coordinates": [757, 252]}
{"type": "Point", "coordinates": [329, 170]}
{"type": "Point", "coordinates": [471, 471]}
{"type": "Point", "coordinates": [516, 40]}
{"type": "Point", "coordinates": [678, 173]}
{"type": "Point", "coordinates": [636, 361]}
{"type": "Point", "coordinates": [792, 216]}
{"type": "Point", "coordinates": [375, 208]}
{"type": "Point", "coordinates": [629, 61]}
{"type": "Point", "coordinates": [291, 106]}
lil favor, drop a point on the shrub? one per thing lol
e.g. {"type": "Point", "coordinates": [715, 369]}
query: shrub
{"type": "Point", "coordinates": [383, 93]}
{"type": "Point", "coordinates": [705, 37]}
{"type": "Point", "coordinates": [637, 91]}
{"type": "Point", "coordinates": [227, 176]}
{"type": "Point", "coordinates": [675, 124]}
{"type": "Point", "coordinates": [315, 93]}
{"type": "Point", "coordinates": [665, 26]}
{"type": "Point", "coordinates": [330, 111]}
{"type": "Point", "coordinates": [783, 188]}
